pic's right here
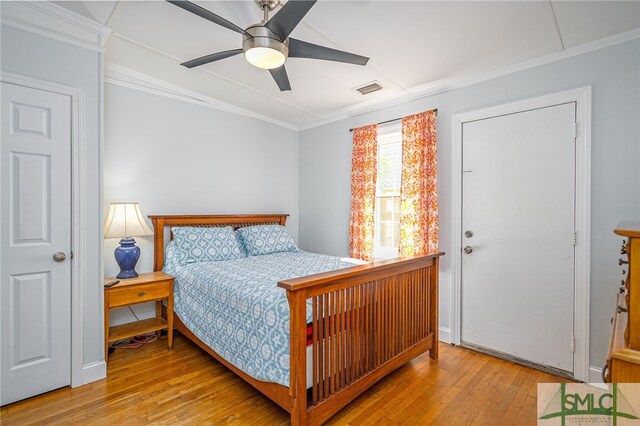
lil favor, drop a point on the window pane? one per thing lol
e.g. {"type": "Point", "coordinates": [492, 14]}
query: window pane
{"type": "Point", "coordinates": [386, 234]}
{"type": "Point", "coordinates": [387, 214]}
{"type": "Point", "coordinates": [378, 240]}
{"type": "Point", "coordinates": [396, 232]}
{"type": "Point", "coordinates": [385, 208]}
{"type": "Point", "coordinates": [389, 168]}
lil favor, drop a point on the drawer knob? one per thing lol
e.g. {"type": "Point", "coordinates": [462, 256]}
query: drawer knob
{"type": "Point", "coordinates": [141, 294]}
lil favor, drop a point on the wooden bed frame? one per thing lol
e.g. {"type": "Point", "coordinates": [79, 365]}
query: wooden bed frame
{"type": "Point", "coordinates": [377, 317]}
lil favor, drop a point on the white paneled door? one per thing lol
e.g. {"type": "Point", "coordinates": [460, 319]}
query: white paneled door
{"type": "Point", "coordinates": [35, 268]}
{"type": "Point", "coordinates": [518, 235]}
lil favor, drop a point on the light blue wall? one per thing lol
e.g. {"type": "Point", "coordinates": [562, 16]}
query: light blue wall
{"type": "Point", "coordinates": [176, 157]}
{"type": "Point", "coordinates": [614, 74]}
{"type": "Point", "coordinates": [42, 58]}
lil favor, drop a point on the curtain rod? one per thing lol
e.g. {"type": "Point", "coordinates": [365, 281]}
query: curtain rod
{"type": "Point", "coordinates": [400, 118]}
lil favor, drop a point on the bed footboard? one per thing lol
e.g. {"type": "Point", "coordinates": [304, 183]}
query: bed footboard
{"type": "Point", "coordinates": [367, 321]}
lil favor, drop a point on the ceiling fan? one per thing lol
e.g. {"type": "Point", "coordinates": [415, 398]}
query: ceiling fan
{"type": "Point", "coordinates": [267, 44]}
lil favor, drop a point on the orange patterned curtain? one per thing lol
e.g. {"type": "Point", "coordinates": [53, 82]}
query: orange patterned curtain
{"type": "Point", "coordinates": [419, 195]}
{"type": "Point", "coordinates": [364, 169]}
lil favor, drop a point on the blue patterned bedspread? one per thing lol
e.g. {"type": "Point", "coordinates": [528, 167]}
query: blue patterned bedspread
{"type": "Point", "coordinates": [236, 308]}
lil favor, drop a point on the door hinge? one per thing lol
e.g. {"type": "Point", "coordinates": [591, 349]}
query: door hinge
{"type": "Point", "coordinates": [575, 238]}
{"type": "Point", "coordinates": [575, 130]}
{"type": "Point", "coordinates": [573, 344]}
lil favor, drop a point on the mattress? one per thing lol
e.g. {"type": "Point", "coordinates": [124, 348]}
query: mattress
{"type": "Point", "coordinates": [236, 308]}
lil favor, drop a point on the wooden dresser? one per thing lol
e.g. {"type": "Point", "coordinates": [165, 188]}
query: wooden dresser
{"type": "Point", "coordinates": [623, 360]}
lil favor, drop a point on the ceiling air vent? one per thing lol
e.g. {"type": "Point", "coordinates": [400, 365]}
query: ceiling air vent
{"type": "Point", "coordinates": [374, 86]}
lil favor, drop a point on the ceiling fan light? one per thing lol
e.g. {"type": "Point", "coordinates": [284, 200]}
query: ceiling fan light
{"type": "Point", "coordinates": [262, 49]}
{"type": "Point", "coordinates": [265, 57]}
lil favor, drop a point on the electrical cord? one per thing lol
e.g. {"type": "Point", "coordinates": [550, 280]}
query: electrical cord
{"type": "Point", "coordinates": [135, 342]}
{"type": "Point", "coordinates": [134, 314]}
{"type": "Point", "coordinates": [131, 343]}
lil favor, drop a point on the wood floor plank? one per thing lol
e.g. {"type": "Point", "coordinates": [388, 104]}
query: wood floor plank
{"type": "Point", "coordinates": [185, 386]}
{"type": "Point", "coordinates": [460, 378]}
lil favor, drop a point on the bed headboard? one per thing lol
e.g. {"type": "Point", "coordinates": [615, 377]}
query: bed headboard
{"type": "Point", "coordinates": [235, 220]}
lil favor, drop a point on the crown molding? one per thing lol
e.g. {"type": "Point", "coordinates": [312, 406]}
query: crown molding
{"type": "Point", "coordinates": [55, 22]}
{"type": "Point", "coordinates": [125, 77]}
{"type": "Point", "coordinates": [448, 84]}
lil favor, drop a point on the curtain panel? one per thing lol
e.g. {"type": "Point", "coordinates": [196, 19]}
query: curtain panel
{"type": "Point", "coordinates": [364, 170]}
{"type": "Point", "coordinates": [419, 196]}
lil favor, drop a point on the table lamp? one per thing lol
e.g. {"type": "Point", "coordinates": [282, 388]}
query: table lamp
{"type": "Point", "coordinates": [125, 221]}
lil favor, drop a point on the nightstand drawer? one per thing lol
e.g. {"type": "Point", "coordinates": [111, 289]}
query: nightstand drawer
{"type": "Point", "coordinates": [140, 293]}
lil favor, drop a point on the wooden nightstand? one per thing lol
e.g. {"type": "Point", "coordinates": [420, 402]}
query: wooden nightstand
{"type": "Point", "coordinates": [149, 287]}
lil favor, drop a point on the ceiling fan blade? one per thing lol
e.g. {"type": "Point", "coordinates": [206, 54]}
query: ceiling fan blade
{"type": "Point", "coordinates": [208, 15]}
{"type": "Point", "coordinates": [211, 58]}
{"type": "Point", "coordinates": [281, 78]}
{"type": "Point", "coordinates": [289, 17]}
{"type": "Point", "coordinates": [302, 49]}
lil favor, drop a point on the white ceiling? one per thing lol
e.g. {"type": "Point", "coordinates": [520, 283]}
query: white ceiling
{"type": "Point", "coordinates": [410, 44]}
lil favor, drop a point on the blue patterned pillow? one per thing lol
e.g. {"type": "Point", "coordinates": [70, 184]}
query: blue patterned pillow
{"type": "Point", "coordinates": [172, 258]}
{"type": "Point", "coordinates": [205, 244]}
{"type": "Point", "coordinates": [266, 239]}
{"type": "Point", "coordinates": [243, 249]}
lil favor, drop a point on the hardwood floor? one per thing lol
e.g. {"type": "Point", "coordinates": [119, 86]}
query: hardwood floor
{"type": "Point", "coordinates": [151, 385]}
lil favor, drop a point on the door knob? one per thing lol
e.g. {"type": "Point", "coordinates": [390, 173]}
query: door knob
{"type": "Point", "coordinates": [59, 256]}
{"type": "Point", "coordinates": [468, 234]}
{"type": "Point", "coordinates": [468, 250]}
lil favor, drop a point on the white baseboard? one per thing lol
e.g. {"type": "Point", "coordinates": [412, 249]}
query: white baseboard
{"type": "Point", "coordinates": [444, 335]}
{"type": "Point", "coordinates": [595, 376]}
{"type": "Point", "coordinates": [94, 372]}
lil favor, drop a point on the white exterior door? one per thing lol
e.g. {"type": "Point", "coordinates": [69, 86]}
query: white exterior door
{"type": "Point", "coordinates": [518, 221]}
{"type": "Point", "coordinates": [35, 288]}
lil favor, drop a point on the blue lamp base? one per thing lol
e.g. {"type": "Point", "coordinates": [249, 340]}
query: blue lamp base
{"type": "Point", "coordinates": [127, 255]}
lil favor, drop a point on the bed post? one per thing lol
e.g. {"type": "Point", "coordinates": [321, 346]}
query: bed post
{"type": "Point", "coordinates": [158, 243]}
{"type": "Point", "coordinates": [433, 308]}
{"type": "Point", "coordinates": [298, 353]}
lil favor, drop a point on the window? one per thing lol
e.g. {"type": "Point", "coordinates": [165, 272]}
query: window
{"type": "Point", "coordinates": [394, 180]}
{"type": "Point", "coordinates": [387, 214]}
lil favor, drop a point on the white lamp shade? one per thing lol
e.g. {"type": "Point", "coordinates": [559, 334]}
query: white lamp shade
{"type": "Point", "coordinates": [125, 220]}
